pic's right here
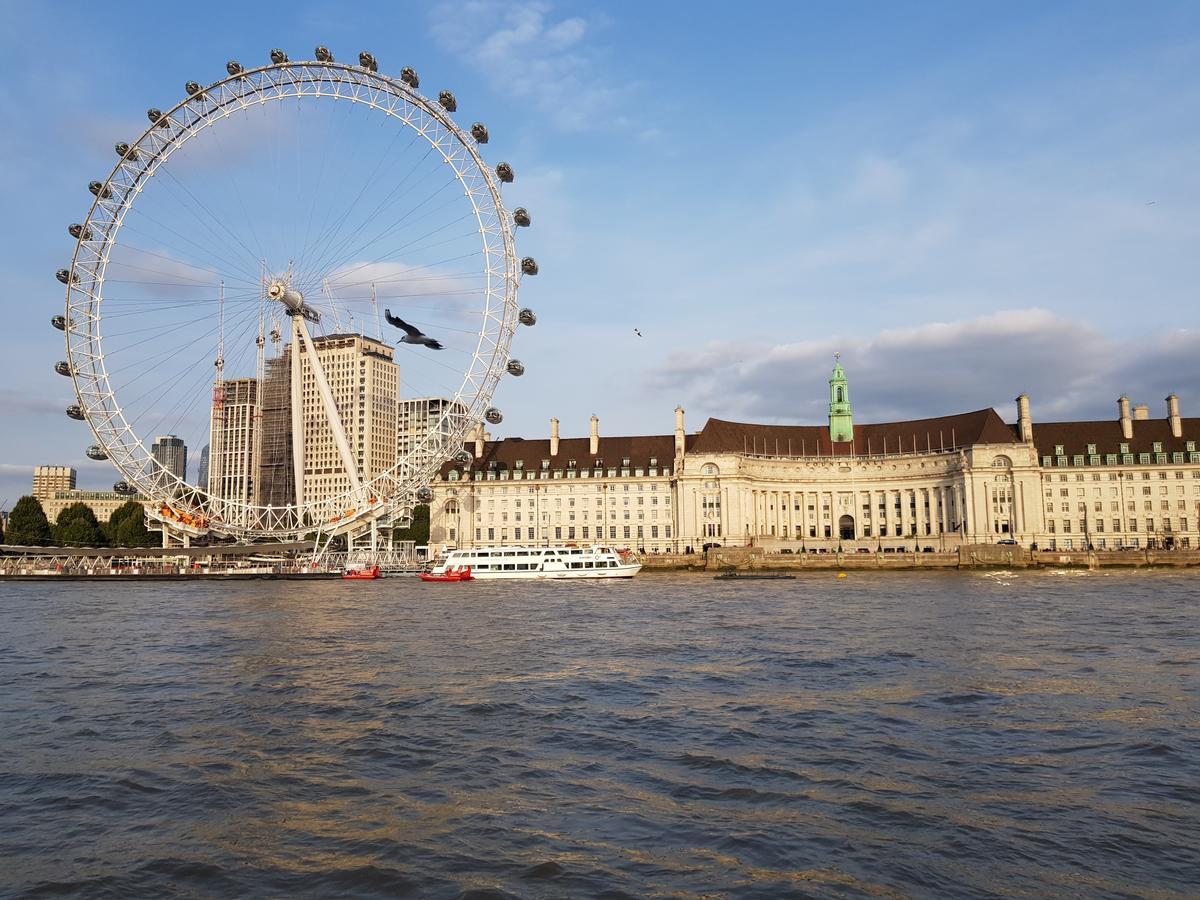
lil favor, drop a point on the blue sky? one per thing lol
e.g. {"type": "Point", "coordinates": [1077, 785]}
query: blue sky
{"type": "Point", "coordinates": [967, 200]}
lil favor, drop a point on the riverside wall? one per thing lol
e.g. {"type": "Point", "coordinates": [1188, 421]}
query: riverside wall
{"type": "Point", "coordinates": [970, 556]}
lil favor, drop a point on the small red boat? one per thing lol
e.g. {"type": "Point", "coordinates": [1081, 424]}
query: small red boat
{"type": "Point", "coordinates": [463, 574]}
{"type": "Point", "coordinates": [366, 574]}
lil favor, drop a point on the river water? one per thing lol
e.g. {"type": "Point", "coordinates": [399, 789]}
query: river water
{"type": "Point", "coordinates": [885, 734]}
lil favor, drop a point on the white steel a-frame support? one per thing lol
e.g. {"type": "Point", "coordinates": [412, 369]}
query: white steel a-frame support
{"type": "Point", "coordinates": [331, 410]}
{"type": "Point", "coordinates": [297, 412]}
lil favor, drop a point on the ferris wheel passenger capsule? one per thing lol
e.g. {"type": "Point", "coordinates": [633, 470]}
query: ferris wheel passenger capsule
{"type": "Point", "coordinates": [233, 67]}
{"type": "Point", "coordinates": [515, 367]}
{"type": "Point", "coordinates": [424, 495]}
{"type": "Point", "coordinates": [154, 115]}
{"type": "Point", "coordinates": [463, 456]}
{"type": "Point", "coordinates": [78, 232]}
{"type": "Point", "coordinates": [447, 101]}
{"type": "Point", "coordinates": [323, 55]}
{"type": "Point", "coordinates": [409, 77]}
{"type": "Point", "coordinates": [527, 317]}
{"type": "Point", "coordinates": [505, 172]}
{"type": "Point", "coordinates": [521, 217]}
{"type": "Point", "coordinates": [75, 411]}
{"type": "Point", "coordinates": [125, 151]}
{"type": "Point", "coordinates": [59, 322]}
{"type": "Point", "coordinates": [62, 367]}
{"type": "Point", "coordinates": [479, 132]}
{"type": "Point", "coordinates": [368, 62]}
{"type": "Point", "coordinates": [529, 265]}
{"type": "Point", "coordinates": [278, 56]}
{"type": "Point", "coordinates": [66, 276]}
{"type": "Point", "coordinates": [193, 88]}
{"type": "Point", "coordinates": [96, 452]}
{"type": "Point", "coordinates": [122, 487]}
{"type": "Point", "coordinates": [99, 190]}
{"type": "Point", "coordinates": [494, 416]}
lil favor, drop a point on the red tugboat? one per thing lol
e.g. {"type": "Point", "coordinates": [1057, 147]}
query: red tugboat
{"type": "Point", "coordinates": [463, 574]}
{"type": "Point", "coordinates": [365, 573]}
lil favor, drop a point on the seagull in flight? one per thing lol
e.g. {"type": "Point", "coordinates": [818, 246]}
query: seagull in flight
{"type": "Point", "coordinates": [637, 332]}
{"type": "Point", "coordinates": [412, 335]}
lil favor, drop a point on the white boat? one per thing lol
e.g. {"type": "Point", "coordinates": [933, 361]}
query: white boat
{"type": "Point", "coordinates": [542, 562]}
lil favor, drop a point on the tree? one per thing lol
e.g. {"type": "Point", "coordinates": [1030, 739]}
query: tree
{"type": "Point", "coordinates": [127, 526]}
{"type": "Point", "coordinates": [77, 527]}
{"type": "Point", "coordinates": [27, 524]}
{"type": "Point", "coordinates": [418, 531]}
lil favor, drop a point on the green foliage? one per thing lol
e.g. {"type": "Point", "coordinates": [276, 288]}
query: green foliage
{"type": "Point", "coordinates": [127, 527]}
{"type": "Point", "coordinates": [27, 524]}
{"type": "Point", "coordinates": [77, 527]}
{"type": "Point", "coordinates": [419, 530]}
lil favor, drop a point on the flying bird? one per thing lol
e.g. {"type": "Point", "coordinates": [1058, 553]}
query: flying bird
{"type": "Point", "coordinates": [412, 335]}
{"type": "Point", "coordinates": [637, 332]}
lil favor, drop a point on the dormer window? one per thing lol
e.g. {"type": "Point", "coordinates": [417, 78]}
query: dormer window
{"type": "Point", "coordinates": [654, 460]}
{"type": "Point", "coordinates": [545, 464]}
{"type": "Point", "coordinates": [571, 464]}
{"type": "Point", "coordinates": [1058, 449]}
{"type": "Point", "coordinates": [625, 461]}
{"type": "Point", "coordinates": [519, 464]}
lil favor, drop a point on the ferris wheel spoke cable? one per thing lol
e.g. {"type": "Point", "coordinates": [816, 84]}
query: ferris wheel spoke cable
{"type": "Point", "coordinates": [152, 361]}
{"type": "Point", "coordinates": [392, 228]}
{"type": "Point", "coordinates": [410, 249]}
{"type": "Point", "coordinates": [219, 258]}
{"type": "Point", "coordinates": [220, 252]}
{"type": "Point", "coordinates": [197, 389]}
{"type": "Point", "coordinates": [347, 257]}
{"type": "Point", "coordinates": [236, 242]}
{"type": "Point", "coordinates": [239, 194]}
{"type": "Point", "coordinates": [197, 392]}
{"type": "Point", "coordinates": [337, 134]}
{"type": "Point", "coordinates": [367, 182]}
{"type": "Point", "coordinates": [335, 223]}
{"type": "Point", "coordinates": [149, 329]}
{"type": "Point", "coordinates": [401, 189]}
{"type": "Point", "coordinates": [133, 248]}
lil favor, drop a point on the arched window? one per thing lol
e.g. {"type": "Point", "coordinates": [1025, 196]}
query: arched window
{"type": "Point", "coordinates": [841, 394]}
{"type": "Point", "coordinates": [710, 469]}
{"type": "Point", "coordinates": [1001, 462]}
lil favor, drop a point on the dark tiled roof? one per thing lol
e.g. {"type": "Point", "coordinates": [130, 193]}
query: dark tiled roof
{"type": "Point", "coordinates": [1106, 435]}
{"type": "Point", "coordinates": [639, 450]}
{"type": "Point", "coordinates": [983, 426]}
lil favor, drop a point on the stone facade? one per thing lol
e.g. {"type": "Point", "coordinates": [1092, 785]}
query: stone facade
{"type": "Point", "coordinates": [932, 483]}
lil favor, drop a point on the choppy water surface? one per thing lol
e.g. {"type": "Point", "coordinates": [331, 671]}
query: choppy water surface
{"type": "Point", "coordinates": [882, 735]}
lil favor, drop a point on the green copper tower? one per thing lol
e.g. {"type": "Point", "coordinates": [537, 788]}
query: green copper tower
{"type": "Point", "coordinates": [841, 423]}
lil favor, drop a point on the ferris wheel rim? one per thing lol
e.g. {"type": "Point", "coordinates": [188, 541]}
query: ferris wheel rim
{"type": "Point", "coordinates": [84, 295]}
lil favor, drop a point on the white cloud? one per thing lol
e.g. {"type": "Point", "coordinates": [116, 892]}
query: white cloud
{"type": "Point", "coordinates": [524, 51]}
{"type": "Point", "coordinates": [1069, 369]}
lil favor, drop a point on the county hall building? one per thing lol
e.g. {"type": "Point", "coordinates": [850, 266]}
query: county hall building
{"type": "Point", "coordinates": [1133, 481]}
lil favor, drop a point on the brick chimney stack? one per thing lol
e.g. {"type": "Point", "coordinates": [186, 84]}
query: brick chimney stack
{"type": "Point", "coordinates": [594, 443]}
{"type": "Point", "coordinates": [1173, 416]}
{"type": "Point", "coordinates": [554, 437]}
{"type": "Point", "coordinates": [1126, 419]}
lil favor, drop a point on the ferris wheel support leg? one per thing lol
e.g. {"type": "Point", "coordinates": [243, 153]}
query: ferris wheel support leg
{"type": "Point", "coordinates": [297, 414]}
{"type": "Point", "coordinates": [331, 410]}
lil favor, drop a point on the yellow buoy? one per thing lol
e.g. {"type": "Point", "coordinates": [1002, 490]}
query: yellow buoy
{"type": "Point", "coordinates": [841, 574]}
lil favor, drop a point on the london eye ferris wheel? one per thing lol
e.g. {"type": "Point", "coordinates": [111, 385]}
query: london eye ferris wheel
{"type": "Point", "coordinates": [322, 293]}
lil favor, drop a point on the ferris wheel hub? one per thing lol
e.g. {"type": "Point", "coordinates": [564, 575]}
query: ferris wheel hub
{"type": "Point", "coordinates": [292, 300]}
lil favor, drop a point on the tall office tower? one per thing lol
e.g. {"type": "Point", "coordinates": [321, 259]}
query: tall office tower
{"type": "Point", "coordinates": [47, 480]}
{"type": "Point", "coordinates": [202, 469]}
{"type": "Point", "coordinates": [232, 450]}
{"type": "Point", "coordinates": [170, 452]}
{"type": "Point", "coordinates": [364, 381]}
{"type": "Point", "coordinates": [422, 417]}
